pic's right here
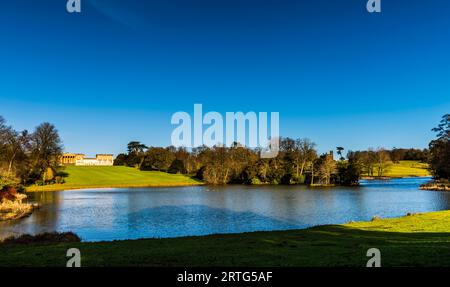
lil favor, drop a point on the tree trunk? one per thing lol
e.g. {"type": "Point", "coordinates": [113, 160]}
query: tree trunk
{"type": "Point", "coordinates": [303, 167]}
{"type": "Point", "coordinates": [11, 163]}
{"type": "Point", "coordinates": [10, 166]}
{"type": "Point", "coordinates": [141, 162]}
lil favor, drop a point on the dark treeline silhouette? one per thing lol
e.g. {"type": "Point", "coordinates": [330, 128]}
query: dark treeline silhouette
{"type": "Point", "coordinates": [27, 158]}
{"type": "Point", "coordinates": [398, 154]}
{"type": "Point", "coordinates": [440, 150]}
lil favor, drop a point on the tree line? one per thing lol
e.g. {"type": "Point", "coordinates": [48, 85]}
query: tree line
{"type": "Point", "coordinates": [27, 158]}
{"type": "Point", "coordinates": [298, 162]}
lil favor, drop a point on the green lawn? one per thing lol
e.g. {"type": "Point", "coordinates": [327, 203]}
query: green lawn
{"type": "Point", "coordinates": [114, 176]}
{"type": "Point", "coordinates": [419, 240]}
{"type": "Point", "coordinates": [407, 168]}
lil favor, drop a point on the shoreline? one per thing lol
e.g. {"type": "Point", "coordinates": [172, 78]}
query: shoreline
{"type": "Point", "coordinates": [61, 187]}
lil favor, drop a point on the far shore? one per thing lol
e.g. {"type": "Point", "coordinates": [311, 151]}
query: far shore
{"type": "Point", "coordinates": [62, 187]}
{"type": "Point", "coordinates": [391, 177]}
{"type": "Point", "coordinates": [84, 177]}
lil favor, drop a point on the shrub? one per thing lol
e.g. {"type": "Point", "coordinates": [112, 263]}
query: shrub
{"type": "Point", "coordinates": [59, 180]}
{"type": "Point", "coordinates": [8, 181]}
{"type": "Point", "coordinates": [43, 238]}
{"type": "Point", "coordinates": [201, 173]}
{"type": "Point", "coordinates": [299, 179]}
{"type": "Point", "coordinates": [255, 181]}
{"type": "Point", "coordinates": [8, 193]}
{"type": "Point", "coordinates": [376, 218]}
{"type": "Point", "coordinates": [49, 174]}
{"type": "Point", "coordinates": [177, 166]}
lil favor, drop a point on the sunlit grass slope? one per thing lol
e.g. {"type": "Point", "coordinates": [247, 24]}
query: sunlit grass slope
{"type": "Point", "coordinates": [418, 240]}
{"type": "Point", "coordinates": [415, 223]}
{"type": "Point", "coordinates": [114, 176]}
{"type": "Point", "coordinates": [407, 168]}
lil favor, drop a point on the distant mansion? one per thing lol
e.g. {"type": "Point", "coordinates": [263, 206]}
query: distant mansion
{"type": "Point", "coordinates": [80, 160]}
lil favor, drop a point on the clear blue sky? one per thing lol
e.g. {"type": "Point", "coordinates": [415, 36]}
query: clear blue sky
{"type": "Point", "coordinates": [120, 69]}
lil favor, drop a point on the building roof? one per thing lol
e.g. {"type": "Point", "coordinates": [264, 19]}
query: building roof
{"type": "Point", "coordinates": [102, 154]}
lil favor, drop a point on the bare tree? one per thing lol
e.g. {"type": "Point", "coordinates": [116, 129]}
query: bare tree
{"type": "Point", "coordinates": [5, 131]}
{"type": "Point", "coordinates": [18, 145]}
{"type": "Point", "coordinates": [13, 148]}
{"type": "Point", "coordinates": [368, 160]}
{"type": "Point", "coordinates": [305, 154]}
{"type": "Point", "coordinates": [326, 168]}
{"type": "Point", "coordinates": [46, 148]}
{"type": "Point", "coordinates": [382, 161]}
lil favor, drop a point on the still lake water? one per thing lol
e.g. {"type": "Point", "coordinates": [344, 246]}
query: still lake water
{"type": "Point", "coordinates": [130, 213]}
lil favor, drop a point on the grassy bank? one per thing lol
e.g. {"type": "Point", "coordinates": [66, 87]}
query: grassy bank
{"type": "Point", "coordinates": [77, 177]}
{"type": "Point", "coordinates": [419, 240]}
{"type": "Point", "coordinates": [406, 168]}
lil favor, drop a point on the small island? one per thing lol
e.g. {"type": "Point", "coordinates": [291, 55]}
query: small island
{"type": "Point", "coordinates": [438, 185]}
{"type": "Point", "coordinates": [11, 204]}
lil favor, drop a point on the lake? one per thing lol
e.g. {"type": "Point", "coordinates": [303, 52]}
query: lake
{"type": "Point", "coordinates": [130, 213]}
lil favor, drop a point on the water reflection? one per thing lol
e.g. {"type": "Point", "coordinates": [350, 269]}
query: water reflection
{"type": "Point", "coordinates": [108, 214]}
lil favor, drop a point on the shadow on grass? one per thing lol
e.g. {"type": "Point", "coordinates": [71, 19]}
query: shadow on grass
{"type": "Point", "coordinates": [62, 174]}
{"type": "Point", "coordinates": [323, 246]}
